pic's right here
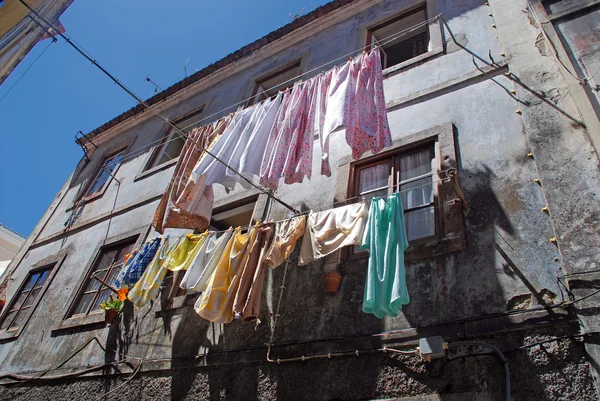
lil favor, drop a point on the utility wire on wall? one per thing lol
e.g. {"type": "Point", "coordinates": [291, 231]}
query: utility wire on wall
{"type": "Point", "coordinates": [147, 106]}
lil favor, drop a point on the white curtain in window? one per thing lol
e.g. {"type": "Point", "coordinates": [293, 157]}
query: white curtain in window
{"type": "Point", "coordinates": [419, 223]}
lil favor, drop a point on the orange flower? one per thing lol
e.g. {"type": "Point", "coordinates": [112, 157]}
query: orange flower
{"type": "Point", "coordinates": [122, 294]}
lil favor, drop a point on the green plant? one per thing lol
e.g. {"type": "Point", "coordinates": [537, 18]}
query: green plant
{"type": "Point", "coordinates": [112, 303]}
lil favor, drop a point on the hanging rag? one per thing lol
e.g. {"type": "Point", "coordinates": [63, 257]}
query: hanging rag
{"type": "Point", "coordinates": [385, 238]}
{"type": "Point", "coordinates": [330, 230]}
{"type": "Point", "coordinates": [215, 304]}
{"type": "Point", "coordinates": [287, 233]}
{"type": "Point", "coordinates": [149, 283]}
{"type": "Point", "coordinates": [247, 298]}
{"type": "Point", "coordinates": [205, 262]}
{"type": "Point", "coordinates": [187, 203]}
{"type": "Point", "coordinates": [183, 255]}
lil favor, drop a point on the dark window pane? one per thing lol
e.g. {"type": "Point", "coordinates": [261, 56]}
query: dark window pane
{"type": "Point", "coordinates": [20, 300]}
{"type": "Point", "coordinates": [8, 320]}
{"type": "Point", "coordinates": [420, 223]}
{"type": "Point", "coordinates": [84, 304]}
{"type": "Point", "coordinates": [32, 297]}
{"type": "Point", "coordinates": [20, 319]}
{"type": "Point", "coordinates": [106, 258]}
{"type": "Point", "coordinates": [104, 296]}
{"type": "Point", "coordinates": [31, 281]}
{"type": "Point", "coordinates": [43, 278]}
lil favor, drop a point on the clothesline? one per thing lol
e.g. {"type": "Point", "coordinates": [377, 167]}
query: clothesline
{"type": "Point", "coordinates": [382, 42]}
{"type": "Point", "coordinates": [435, 207]}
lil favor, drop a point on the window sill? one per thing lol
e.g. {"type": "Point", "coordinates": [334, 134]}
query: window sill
{"type": "Point", "coordinates": [178, 302]}
{"type": "Point", "coordinates": [155, 169]}
{"type": "Point", "coordinates": [10, 334]}
{"type": "Point", "coordinates": [409, 63]}
{"type": "Point", "coordinates": [93, 318]}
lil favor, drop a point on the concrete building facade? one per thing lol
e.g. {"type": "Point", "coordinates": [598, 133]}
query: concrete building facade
{"type": "Point", "coordinates": [10, 242]}
{"type": "Point", "coordinates": [505, 255]}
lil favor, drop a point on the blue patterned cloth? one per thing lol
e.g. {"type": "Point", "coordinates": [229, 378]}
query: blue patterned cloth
{"type": "Point", "coordinates": [136, 266]}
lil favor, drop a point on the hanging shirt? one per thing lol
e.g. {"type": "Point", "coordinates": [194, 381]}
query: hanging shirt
{"type": "Point", "coordinates": [287, 233]}
{"type": "Point", "coordinates": [208, 169]}
{"type": "Point", "coordinates": [183, 255]}
{"type": "Point", "coordinates": [148, 285]}
{"type": "Point", "coordinates": [205, 262]}
{"type": "Point", "coordinates": [385, 238]}
{"type": "Point", "coordinates": [248, 295]}
{"type": "Point", "coordinates": [187, 203]}
{"type": "Point", "coordinates": [316, 117]}
{"type": "Point", "coordinates": [215, 304]}
{"type": "Point", "coordinates": [247, 156]}
{"type": "Point", "coordinates": [131, 272]}
{"type": "Point", "coordinates": [330, 230]}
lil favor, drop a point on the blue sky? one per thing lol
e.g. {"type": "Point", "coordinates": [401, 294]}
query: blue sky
{"type": "Point", "coordinates": [63, 93]}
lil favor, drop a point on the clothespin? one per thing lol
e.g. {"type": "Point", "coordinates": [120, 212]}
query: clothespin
{"type": "Point", "coordinates": [363, 199]}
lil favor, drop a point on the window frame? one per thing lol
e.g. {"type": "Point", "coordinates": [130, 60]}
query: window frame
{"type": "Point", "coordinates": [166, 137]}
{"type": "Point", "coordinates": [81, 290]}
{"type": "Point", "coordinates": [85, 197]}
{"type": "Point", "coordinates": [451, 234]}
{"type": "Point", "coordinates": [55, 262]}
{"type": "Point", "coordinates": [393, 157]}
{"type": "Point", "coordinates": [257, 82]}
{"type": "Point", "coordinates": [434, 32]}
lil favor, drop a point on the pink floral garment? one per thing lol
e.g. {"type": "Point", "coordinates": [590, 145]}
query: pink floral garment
{"type": "Point", "coordinates": [298, 163]}
{"type": "Point", "coordinates": [372, 131]}
{"type": "Point", "coordinates": [271, 168]}
{"type": "Point", "coordinates": [290, 145]}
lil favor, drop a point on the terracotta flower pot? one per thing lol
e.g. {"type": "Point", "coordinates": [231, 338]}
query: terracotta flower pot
{"type": "Point", "coordinates": [110, 315]}
{"type": "Point", "coordinates": [331, 282]}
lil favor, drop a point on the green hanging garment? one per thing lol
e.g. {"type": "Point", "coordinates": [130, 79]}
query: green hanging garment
{"type": "Point", "coordinates": [385, 238]}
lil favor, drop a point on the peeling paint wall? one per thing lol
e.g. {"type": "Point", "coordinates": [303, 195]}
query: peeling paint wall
{"type": "Point", "coordinates": [500, 109]}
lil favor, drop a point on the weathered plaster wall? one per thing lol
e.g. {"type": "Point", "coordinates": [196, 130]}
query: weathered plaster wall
{"type": "Point", "coordinates": [508, 264]}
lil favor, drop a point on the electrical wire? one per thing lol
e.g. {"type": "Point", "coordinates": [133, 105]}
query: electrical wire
{"type": "Point", "coordinates": [148, 107]}
{"type": "Point", "coordinates": [497, 351]}
{"type": "Point", "coordinates": [26, 71]}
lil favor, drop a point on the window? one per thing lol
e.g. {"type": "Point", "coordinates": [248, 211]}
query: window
{"type": "Point", "coordinates": [403, 47]}
{"type": "Point", "coordinates": [21, 307]}
{"type": "Point", "coordinates": [107, 169]}
{"type": "Point", "coordinates": [235, 214]}
{"type": "Point", "coordinates": [269, 86]}
{"type": "Point", "coordinates": [106, 266]}
{"type": "Point", "coordinates": [172, 141]}
{"type": "Point", "coordinates": [411, 173]}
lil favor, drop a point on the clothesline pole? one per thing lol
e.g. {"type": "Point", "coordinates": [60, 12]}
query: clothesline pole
{"type": "Point", "coordinates": [148, 107]}
{"type": "Point", "coordinates": [110, 287]}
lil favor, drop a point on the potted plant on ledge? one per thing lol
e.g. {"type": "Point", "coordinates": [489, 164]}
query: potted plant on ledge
{"type": "Point", "coordinates": [112, 308]}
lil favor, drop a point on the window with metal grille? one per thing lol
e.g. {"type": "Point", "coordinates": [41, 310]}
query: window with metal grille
{"type": "Point", "coordinates": [107, 264]}
{"type": "Point", "coordinates": [24, 301]}
{"type": "Point", "coordinates": [397, 38]}
{"type": "Point", "coordinates": [172, 142]}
